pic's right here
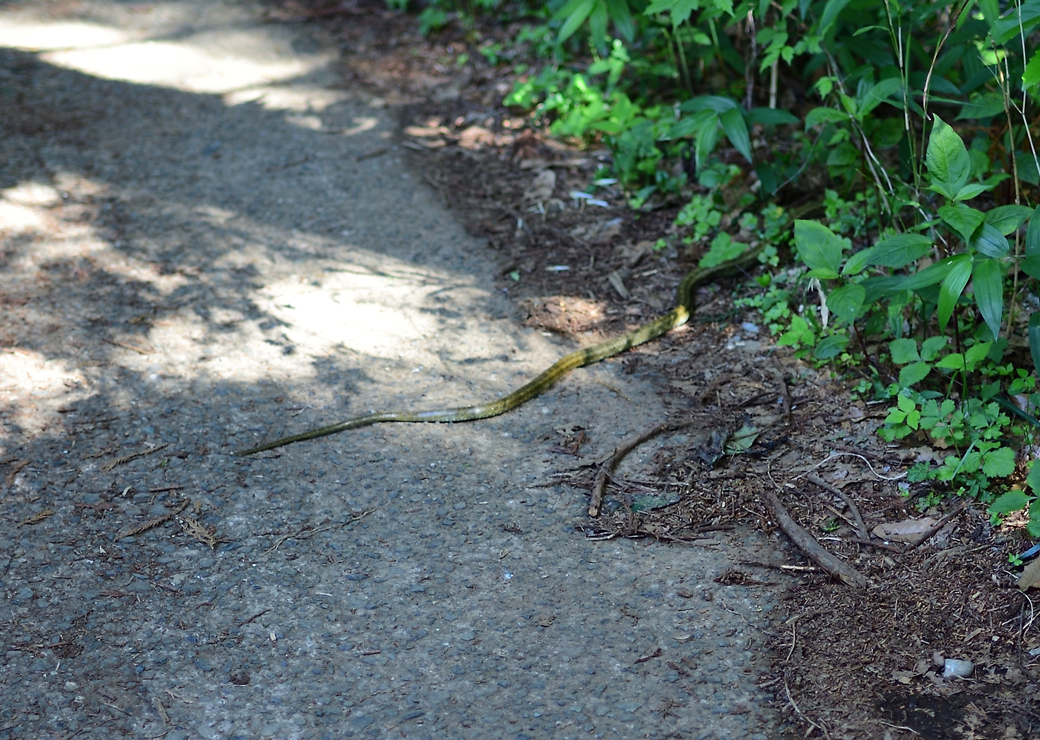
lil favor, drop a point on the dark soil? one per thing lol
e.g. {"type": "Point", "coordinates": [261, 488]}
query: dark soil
{"type": "Point", "coordinates": [852, 663]}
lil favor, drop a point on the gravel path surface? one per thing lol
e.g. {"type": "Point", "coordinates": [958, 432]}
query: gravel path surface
{"type": "Point", "coordinates": [207, 243]}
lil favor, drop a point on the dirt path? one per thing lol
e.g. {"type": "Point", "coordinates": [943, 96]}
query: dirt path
{"type": "Point", "coordinates": [206, 242]}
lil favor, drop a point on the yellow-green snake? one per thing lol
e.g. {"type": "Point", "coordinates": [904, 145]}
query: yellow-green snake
{"type": "Point", "coordinates": [678, 316]}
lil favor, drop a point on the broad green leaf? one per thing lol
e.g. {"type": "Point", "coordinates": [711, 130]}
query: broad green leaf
{"type": "Point", "coordinates": [622, 17]}
{"type": "Point", "coordinates": [900, 250]}
{"type": "Point", "coordinates": [1031, 75]}
{"type": "Point", "coordinates": [928, 276]}
{"type": "Point", "coordinates": [855, 264]}
{"type": "Point", "coordinates": [830, 347]}
{"type": "Point", "coordinates": [987, 279]}
{"type": "Point", "coordinates": [983, 105]}
{"type": "Point", "coordinates": [1033, 479]}
{"type": "Point", "coordinates": [1034, 339]}
{"type": "Point", "coordinates": [678, 10]}
{"type": "Point", "coordinates": [598, 25]}
{"type": "Point", "coordinates": [1033, 234]}
{"type": "Point", "coordinates": [1006, 219]}
{"type": "Point", "coordinates": [914, 373]}
{"type": "Point", "coordinates": [973, 190]}
{"type": "Point", "coordinates": [931, 347]}
{"type": "Point", "coordinates": [770, 116]}
{"type": "Point", "coordinates": [1014, 500]}
{"type": "Point", "coordinates": [709, 102]}
{"type": "Point", "coordinates": [877, 95]}
{"type": "Point", "coordinates": [819, 248]}
{"type": "Point", "coordinates": [735, 127]}
{"type": "Point", "coordinates": [741, 440]}
{"type": "Point", "coordinates": [962, 219]}
{"type": "Point", "coordinates": [1031, 266]}
{"type": "Point", "coordinates": [830, 14]}
{"type": "Point", "coordinates": [952, 361]}
{"type": "Point", "coordinates": [575, 12]}
{"type": "Point", "coordinates": [903, 351]}
{"type": "Point", "coordinates": [999, 463]}
{"type": "Point", "coordinates": [990, 242]}
{"type": "Point", "coordinates": [947, 159]}
{"type": "Point", "coordinates": [952, 287]}
{"type": "Point", "coordinates": [1013, 23]}
{"type": "Point", "coordinates": [990, 10]}
{"type": "Point", "coordinates": [705, 141]}
{"type": "Point", "coordinates": [846, 302]}
{"type": "Point", "coordinates": [688, 125]}
{"type": "Point", "coordinates": [976, 354]}
{"type": "Point", "coordinates": [825, 115]}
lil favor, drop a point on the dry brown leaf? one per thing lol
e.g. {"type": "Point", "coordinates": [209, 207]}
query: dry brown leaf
{"type": "Point", "coordinates": [1030, 576]}
{"type": "Point", "coordinates": [542, 187]}
{"type": "Point", "coordinates": [908, 530]}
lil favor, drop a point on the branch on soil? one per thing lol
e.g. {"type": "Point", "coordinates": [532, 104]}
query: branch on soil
{"type": "Point", "coordinates": [813, 549]}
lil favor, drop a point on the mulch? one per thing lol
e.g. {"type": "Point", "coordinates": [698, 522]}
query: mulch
{"type": "Point", "coordinates": [850, 662]}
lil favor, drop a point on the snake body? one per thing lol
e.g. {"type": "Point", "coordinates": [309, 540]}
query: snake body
{"type": "Point", "coordinates": [684, 308]}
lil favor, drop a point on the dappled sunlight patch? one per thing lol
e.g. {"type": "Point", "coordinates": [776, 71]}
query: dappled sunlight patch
{"type": "Point", "coordinates": [34, 391]}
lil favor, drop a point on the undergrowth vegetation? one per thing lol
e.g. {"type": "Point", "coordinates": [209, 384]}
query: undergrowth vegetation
{"type": "Point", "coordinates": [911, 125]}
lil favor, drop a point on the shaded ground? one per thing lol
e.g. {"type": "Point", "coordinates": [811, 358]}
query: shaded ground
{"type": "Point", "coordinates": [850, 663]}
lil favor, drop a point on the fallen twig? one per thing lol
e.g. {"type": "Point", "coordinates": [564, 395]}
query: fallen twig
{"type": "Point", "coordinates": [925, 536]}
{"type": "Point", "coordinates": [861, 528]}
{"type": "Point", "coordinates": [599, 487]}
{"type": "Point", "coordinates": [808, 545]}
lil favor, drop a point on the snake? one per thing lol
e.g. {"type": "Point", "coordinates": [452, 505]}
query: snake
{"type": "Point", "coordinates": [685, 306]}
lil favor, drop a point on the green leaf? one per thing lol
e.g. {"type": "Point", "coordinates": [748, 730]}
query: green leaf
{"type": "Point", "coordinates": [622, 17]}
{"type": "Point", "coordinates": [914, 373]}
{"type": "Point", "coordinates": [704, 143]}
{"type": "Point", "coordinates": [678, 10]}
{"type": "Point", "coordinates": [846, 302]}
{"type": "Point", "coordinates": [825, 115]}
{"type": "Point", "coordinates": [830, 14]}
{"type": "Point", "coordinates": [1034, 339]}
{"type": "Point", "coordinates": [715, 103]}
{"type": "Point", "coordinates": [741, 440]}
{"type": "Point", "coordinates": [952, 287]}
{"type": "Point", "coordinates": [854, 265]}
{"type": "Point", "coordinates": [575, 12]}
{"type": "Point", "coordinates": [900, 250]}
{"type": "Point", "coordinates": [973, 190]}
{"type": "Point", "coordinates": [983, 105]}
{"type": "Point", "coordinates": [688, 125]}
{"type": "Point", "coordinates": [952, 361]}
{"type": "Point", "coordinates": [976, 354]}
{"type": "Point", "coordinates": [1014, 500]}
{"type": "Point", "coordinates": [999, 463]}
{"type": "Point", "coordinates": [877, 94]}
{"type": "Point", "coordinates": [819, 248]}
{"type": "Point", "coordinates": [1007, 219]}
{"type": "Point", "coordinates": [830, 347]}
{"type": "Point", "coordinates": [1033, 234]}
{"type": "Point", "coordinates": [1033, 479]}
{"type": "Point", "coordinates": [770, 117]}
{"type": "Point", "coordinates": [903, 351]}
{"type": "Point", "coordinates": [947, 159]}
{"type": "Point", "coordinates": [931, 347]}
{"type": "Point", "coordinates": [989, 242]}
{"type": "Point", "coordinates": [962, 219]}
{"type": "Point", "coordinates": [928, 276]}
{"type": "Point", "coordinates": [987, 279]}
{"type": "Point", "coordinates": [990, 10]}
{"type": "Point", "coordinates": [1031, 75]}
{"type": "Point", "coordinates": [736, 130]}
{"type": "Point", "coordinates": [1013, 23]}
